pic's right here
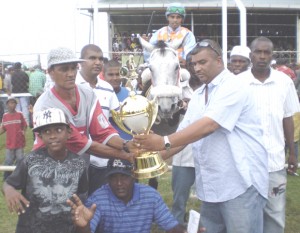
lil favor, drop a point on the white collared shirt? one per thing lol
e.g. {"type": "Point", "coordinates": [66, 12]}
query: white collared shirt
{"type": "Point", "coordinates": [232, 158]}
{"type": "Point", "coordinates": [275, 99]}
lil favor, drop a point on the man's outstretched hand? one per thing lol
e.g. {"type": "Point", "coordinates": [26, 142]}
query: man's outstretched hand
{"type": "Point", "coordinates": [81, 215]}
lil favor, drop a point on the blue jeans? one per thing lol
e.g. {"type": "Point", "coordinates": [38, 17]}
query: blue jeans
{"type": "Point", "coordinates": [12, 157]}
{"type": "Point", "coordinates": [182, 180]}
{"type": "Point", "coordinates": [274, 212]}
{"type": "Point", "coordinates": [22, 106]}
{"type": "Point", "coordinates": [243, 214]}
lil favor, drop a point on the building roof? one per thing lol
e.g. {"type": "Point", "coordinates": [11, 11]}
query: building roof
{"type": "Point", "coordinates": [204, 16]}
{"type": "Point", "coordinates": [105, 5]}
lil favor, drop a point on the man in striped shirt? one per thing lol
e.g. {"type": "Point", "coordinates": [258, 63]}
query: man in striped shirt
{"type": "Point", "coordinates": [276, 102]}
{"type": "Point", "coordinates": [123, 206]}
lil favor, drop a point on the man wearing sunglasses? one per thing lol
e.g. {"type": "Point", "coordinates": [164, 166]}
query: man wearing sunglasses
{"type": "Point", "coordinates": [230, 159]}
{"type": "Point", "coordinates": [175, 15]}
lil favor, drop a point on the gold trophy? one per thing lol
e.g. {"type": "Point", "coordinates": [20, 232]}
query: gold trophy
{"type": "Point", "coordinates": [136, 116]}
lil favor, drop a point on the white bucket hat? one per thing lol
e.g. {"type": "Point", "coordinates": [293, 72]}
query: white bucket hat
{"type": "Point", "coordinates": [62, 55]}
{"type": "Point", "coordinates": [240, 50]}
{"type": "Point", "coordinates": [48, 116]}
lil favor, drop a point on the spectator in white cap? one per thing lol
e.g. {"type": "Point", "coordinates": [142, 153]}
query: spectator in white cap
{"type": "Point", "coordinates": [14, 126]}
{"type": "Point", "coordinates": [91, 130]}
{"type": "Point", "coordinates": [239, 59]}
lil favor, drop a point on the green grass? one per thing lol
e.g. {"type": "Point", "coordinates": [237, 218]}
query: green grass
{"type": "Point", "coordinates": [8, 221]}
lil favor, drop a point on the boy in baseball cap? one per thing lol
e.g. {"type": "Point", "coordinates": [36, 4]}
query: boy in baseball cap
{"type": "Point", "coordinates": [47, 177]}
{"type": "Point", "coordinates": [14, 126]}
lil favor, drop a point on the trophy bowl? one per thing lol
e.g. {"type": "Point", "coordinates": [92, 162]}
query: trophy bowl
{"type": "Point", "coordinates": [136, 116]}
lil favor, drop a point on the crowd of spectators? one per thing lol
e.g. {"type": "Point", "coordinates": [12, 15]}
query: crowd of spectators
{"type": "Point", "coordinates": [128, 43]}
{"type": "Point", "coordinates": [26, 83]}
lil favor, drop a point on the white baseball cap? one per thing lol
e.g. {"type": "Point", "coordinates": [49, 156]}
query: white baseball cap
{"type": "Point", "coordinates": [62, 55]}
{"type": "Point", "coordinates": [11, 98]}
{"type": "Point", "coordinates": [48, 116]}
{"type": "Point", "coordinates": [240, 50]}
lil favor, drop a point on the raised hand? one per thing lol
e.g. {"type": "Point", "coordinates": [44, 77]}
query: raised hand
{"type": "Point", "coordinates": [81, 215]}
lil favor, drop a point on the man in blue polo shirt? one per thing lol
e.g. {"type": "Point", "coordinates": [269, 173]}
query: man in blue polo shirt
{"type": "Point", "coordinates": [123, 206]}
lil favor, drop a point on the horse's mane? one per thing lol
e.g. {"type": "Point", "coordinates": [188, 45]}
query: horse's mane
{"type": "Point", "coordinates": [162, 46]}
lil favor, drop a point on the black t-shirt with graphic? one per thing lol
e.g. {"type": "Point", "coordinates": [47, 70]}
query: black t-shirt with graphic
{"type": "Point", "coordinates": [47, 184]}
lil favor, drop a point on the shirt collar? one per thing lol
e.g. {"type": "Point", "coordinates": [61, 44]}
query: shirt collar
{"type": "Point", "coordinates": [81, 80]}
{"type": "Point", "coordinates": [215, 82]}
{"type": "Point", "coordinates": [254, 80]}
{"type": "Point", "coordinates": [171, 29]}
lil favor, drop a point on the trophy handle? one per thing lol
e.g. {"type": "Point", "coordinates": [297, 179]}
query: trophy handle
{"type": "Point", "coordinates": [153, 110]}
{"type": "Point", "coordinates": [118, 120]}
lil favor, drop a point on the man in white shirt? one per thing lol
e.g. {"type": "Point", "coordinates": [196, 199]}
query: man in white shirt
{"type": "Point", "coordinates": [226, 135]}
{"type": "Point", "coordinates": [89, 75]}
{"type": "Point", "coordinates": [276, 102]}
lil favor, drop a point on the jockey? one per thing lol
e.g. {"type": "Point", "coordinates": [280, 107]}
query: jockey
{"type": "Point", "coordinates": [175, 15]}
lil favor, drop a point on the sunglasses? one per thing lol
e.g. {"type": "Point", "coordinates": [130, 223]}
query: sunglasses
{"type": "Point", "coordinates": [176, 10]}
{"type": "Point", "coordinates": [205, 44]}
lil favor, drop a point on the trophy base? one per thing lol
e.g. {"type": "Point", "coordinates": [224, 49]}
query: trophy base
{"type": "Point", "coordinates": [149, 165]}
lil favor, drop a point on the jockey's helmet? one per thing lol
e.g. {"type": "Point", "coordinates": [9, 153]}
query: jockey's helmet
{"type": "Point", "coordinates": [175, 8]}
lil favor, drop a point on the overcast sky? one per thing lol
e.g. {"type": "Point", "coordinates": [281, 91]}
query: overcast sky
{"type": "Point", "coordinates": [36, 26]}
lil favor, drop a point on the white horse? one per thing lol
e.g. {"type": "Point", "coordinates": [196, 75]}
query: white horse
{"type": "Point", "coordinates": [165, 74]}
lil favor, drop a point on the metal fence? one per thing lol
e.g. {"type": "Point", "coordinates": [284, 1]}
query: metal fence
{"type": "Point", "coordinates": [29, 60]}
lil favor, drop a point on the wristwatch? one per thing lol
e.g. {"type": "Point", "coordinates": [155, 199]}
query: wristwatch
{"type": "Point", "coordinates": [167, 143]}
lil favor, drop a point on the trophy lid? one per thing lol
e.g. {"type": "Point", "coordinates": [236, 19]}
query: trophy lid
{"type": "Point", "coordinates": [137, 114]}
{"type": "Point", "coordinates": [135, 104]}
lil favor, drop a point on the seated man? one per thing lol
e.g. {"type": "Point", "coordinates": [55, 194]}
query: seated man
{"type": "Point", "coordinates": [122, 205]}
